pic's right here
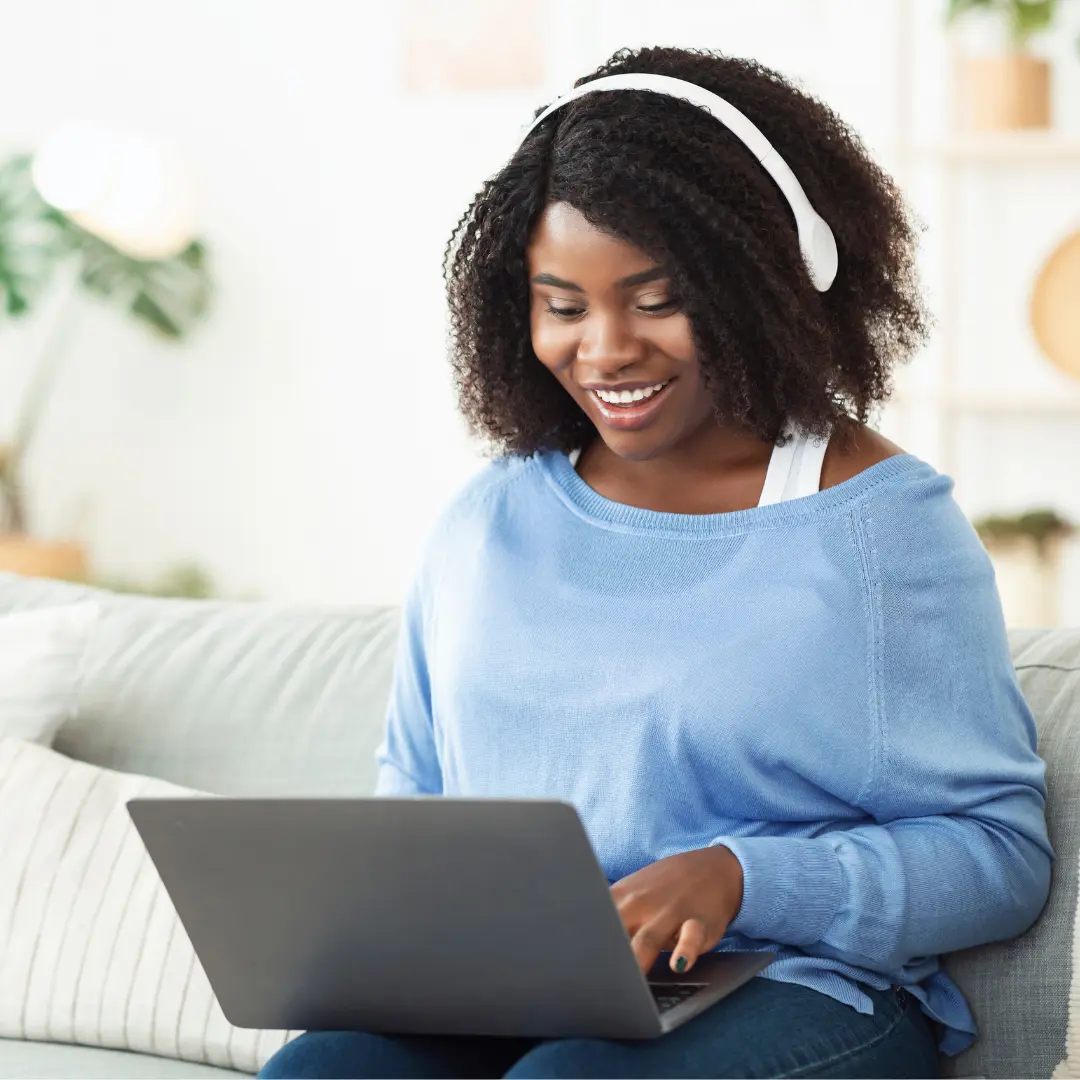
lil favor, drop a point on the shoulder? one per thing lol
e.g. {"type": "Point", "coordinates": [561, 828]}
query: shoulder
{"type": "Point", "coordinates": [853, 449]}
{"type": "Point", "coordinates": [484, 490]}
{"type": "Point", "coordinates": [914, 518]}
{"type": "Point", "coordinates": [475, 508]}
{"type": "Point", "coordinates": [915, 535]}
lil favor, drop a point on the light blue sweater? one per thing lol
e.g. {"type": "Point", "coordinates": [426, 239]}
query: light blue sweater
{"type": "Point", "coordinates": [822, 685]}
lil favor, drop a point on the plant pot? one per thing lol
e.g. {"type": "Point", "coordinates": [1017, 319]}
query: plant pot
{"type": "Point", "coordinates": [1027, 581]}
{"type": "Point", "coordinates": [35, 558]}
{"type": "Point", "coordinates": [1002, 93]}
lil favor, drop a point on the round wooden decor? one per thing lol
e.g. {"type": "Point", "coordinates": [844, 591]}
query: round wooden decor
{"type": "Point", "coordinates": [1055, 307]}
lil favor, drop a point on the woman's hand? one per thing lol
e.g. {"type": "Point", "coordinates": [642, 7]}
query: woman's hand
{"type": "Point", "coordinates": [683, 903]}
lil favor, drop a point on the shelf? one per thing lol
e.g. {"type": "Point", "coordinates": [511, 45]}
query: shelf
{"type": "Point", "coordinates": [1061, 405]}
{"type": "Point", "coordinates": [1010, 147]}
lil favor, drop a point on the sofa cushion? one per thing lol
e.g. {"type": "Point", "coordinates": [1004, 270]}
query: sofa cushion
{"type": "Point", "coordinates": [54, 1061]}
{"type": "Point", "coordinates": [41, 654]}
{"type": "Point", "coordinates": [92, 951]}
{"type": "Point", "coordinates": [231, 698]}
{"type": "Point", "coordinates": [1019, 989]}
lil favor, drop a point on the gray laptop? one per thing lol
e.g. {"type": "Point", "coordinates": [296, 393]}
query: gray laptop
{"type": "Point", "coordinates": [414, 916]}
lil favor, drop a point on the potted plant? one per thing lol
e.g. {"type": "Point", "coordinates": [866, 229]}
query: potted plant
{"type": "Point", "coordinates": [1026, 552]}
{"type": "Point", "coordinates": [165, 293]}
{"type": "Point", "coordinates": [1008, 88]}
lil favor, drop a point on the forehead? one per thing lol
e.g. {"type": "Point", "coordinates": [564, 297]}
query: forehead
{"type": "Point", "coordinates": [564, 236]}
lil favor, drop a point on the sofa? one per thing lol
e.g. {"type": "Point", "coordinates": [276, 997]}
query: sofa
{"type": "Point", "coordinates": [251, 699]}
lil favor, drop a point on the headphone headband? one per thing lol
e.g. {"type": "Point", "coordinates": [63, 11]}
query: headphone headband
{"type": "Point", "coordinates": [816, 240]}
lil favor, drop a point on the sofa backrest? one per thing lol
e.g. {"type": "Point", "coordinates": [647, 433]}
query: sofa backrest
{"type": "Point", "coordinates": [230, 698]}
{"type": "Point", "coordinates": [254, 699]}
{"type": "Point", "coordinates": [1019, 990]}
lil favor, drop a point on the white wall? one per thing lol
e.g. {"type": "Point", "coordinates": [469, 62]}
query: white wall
{"type": "Point", "coordinates": [289, 447]}
{"type": "Point", "coordinates": [301, 444]}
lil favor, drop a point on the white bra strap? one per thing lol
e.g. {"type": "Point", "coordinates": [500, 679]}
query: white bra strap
{"type": "Point", "coordinates": [808, 476]}
{"type": "Point", "coordinates": [776, 479]}
{"type": "Point", "coordinates": [794, 469]}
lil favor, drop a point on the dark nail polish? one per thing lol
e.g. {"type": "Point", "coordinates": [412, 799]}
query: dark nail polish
{"type": "Point", "coordinates": [680, 964]}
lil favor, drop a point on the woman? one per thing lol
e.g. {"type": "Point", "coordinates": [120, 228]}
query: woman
{"type": "Point", "coordinates": [755, 644]}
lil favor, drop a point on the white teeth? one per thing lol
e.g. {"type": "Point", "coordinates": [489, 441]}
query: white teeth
{"type": "Point", "coordinates": [626, 397]}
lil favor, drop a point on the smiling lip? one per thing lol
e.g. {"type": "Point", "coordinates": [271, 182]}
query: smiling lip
{"type": "Point", "coordinates": [631, 417]}
{"type": "Point", "coordinates": [622, 385]}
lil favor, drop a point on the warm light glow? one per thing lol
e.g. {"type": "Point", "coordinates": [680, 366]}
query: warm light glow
{"type": "Point", "coordinates": [131, 191]}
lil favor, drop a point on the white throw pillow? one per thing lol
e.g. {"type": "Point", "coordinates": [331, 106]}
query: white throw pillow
{"type": "Point", "coordinates": [91, 948]}
{"type": "Point", "coordinates": [40, 658]}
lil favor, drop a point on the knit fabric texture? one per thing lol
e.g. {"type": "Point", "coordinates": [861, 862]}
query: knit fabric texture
{"type": "Point", "coordinates": [822, 685]}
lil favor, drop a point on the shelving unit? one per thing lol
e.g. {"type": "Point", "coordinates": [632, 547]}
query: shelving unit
{"type": "Point", "coordinates": [950, 401]}
{"type": "Point", "coordinates": [992, 404]}
{"type": "Point", "coordinates": [1007, 148]}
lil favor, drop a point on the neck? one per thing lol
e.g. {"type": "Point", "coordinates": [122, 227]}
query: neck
{"type": "Point", "coordinates": [713, 448]}
{"type": "Point", "coordinates": [717, 468]}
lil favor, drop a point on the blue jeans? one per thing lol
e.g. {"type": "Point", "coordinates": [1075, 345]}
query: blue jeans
{"type": "Point", "coordinates": [767, 1028]}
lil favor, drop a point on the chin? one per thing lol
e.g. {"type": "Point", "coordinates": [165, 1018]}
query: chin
{"type": "Point", "coordinates": [636, 445]}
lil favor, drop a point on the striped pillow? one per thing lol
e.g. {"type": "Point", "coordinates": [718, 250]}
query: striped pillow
{"type": "Point", "coordinates": [91, 949]}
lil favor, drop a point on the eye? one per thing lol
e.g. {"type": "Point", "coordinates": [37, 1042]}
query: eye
{"type": "Point", "coordinates": [565, 313]}
{"type": "Point", "coordinates": [656, 309]}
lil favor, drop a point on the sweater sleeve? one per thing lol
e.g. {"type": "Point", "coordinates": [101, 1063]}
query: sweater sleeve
{"type": "Point", "coordinates": [407, 757]}
{"type": "Point", "coordinates": [954, 850]}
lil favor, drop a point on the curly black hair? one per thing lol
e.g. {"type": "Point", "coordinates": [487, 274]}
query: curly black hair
{"type": "Point", "coordinates": [662, 174]}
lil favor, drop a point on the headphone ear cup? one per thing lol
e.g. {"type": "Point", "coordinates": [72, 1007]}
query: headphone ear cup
{"type": "Point", "coordinates": [819, 250]}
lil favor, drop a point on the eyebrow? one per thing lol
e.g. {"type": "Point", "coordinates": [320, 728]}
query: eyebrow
{"type": "Point", "coordinates": [640, 278]}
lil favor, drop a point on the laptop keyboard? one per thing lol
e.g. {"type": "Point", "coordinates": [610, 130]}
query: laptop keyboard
{"type": "Point", "coordinates": [668, 995]}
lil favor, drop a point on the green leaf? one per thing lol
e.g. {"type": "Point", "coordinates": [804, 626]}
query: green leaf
{"type": "Point", "coordinates": [14, 302]}
{"type": "Point", "coordinates": [144, 307]}
{"type": "Point", "coordinates": [1028, 17]}
{"type": "Point", "coordinates": [167, 296]}
{"type": "Point", "coordinates": [194, 255]}
{"type": "Point", "coordinates": [1025, 17]}
{"type": "Point", "coordinates": [27, 239]}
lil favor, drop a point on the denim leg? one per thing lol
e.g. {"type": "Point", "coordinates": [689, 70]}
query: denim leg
{"type": "Point", "coordinates": [355, 1055]}
{"type": "Point", "coordinates": [766, 1029]}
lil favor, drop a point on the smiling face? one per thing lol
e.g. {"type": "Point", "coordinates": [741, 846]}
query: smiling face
{"type": "Point", "coordinates": [605, 323]}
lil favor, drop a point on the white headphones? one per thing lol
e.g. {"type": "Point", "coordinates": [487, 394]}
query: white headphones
{"type": "Point", "coordinates": [816, 239]}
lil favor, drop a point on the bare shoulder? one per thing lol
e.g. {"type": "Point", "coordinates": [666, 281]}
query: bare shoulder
{"type": "Point", "coordinates": [852, 450]}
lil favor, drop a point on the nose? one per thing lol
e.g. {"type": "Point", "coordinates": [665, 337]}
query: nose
{"type": "Point", "coordinates": [608, 344]}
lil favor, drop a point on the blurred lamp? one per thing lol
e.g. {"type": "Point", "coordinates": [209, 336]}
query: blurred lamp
{"type": "Point", "coordinates": [130, 191]}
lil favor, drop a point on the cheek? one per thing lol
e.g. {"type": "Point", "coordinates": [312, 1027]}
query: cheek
{"type": "Point", "coordinates": [555, 344]}
{"type": "Point", "coordinates": [673, 337]}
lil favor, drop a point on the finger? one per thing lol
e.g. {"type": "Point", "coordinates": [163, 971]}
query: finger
{"type": "Point", "coordinates": [649, 942]}
{"type": "Point", "coordinates": [689, 947]}
{"type": "Point", "coordinates": [633, 909]}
